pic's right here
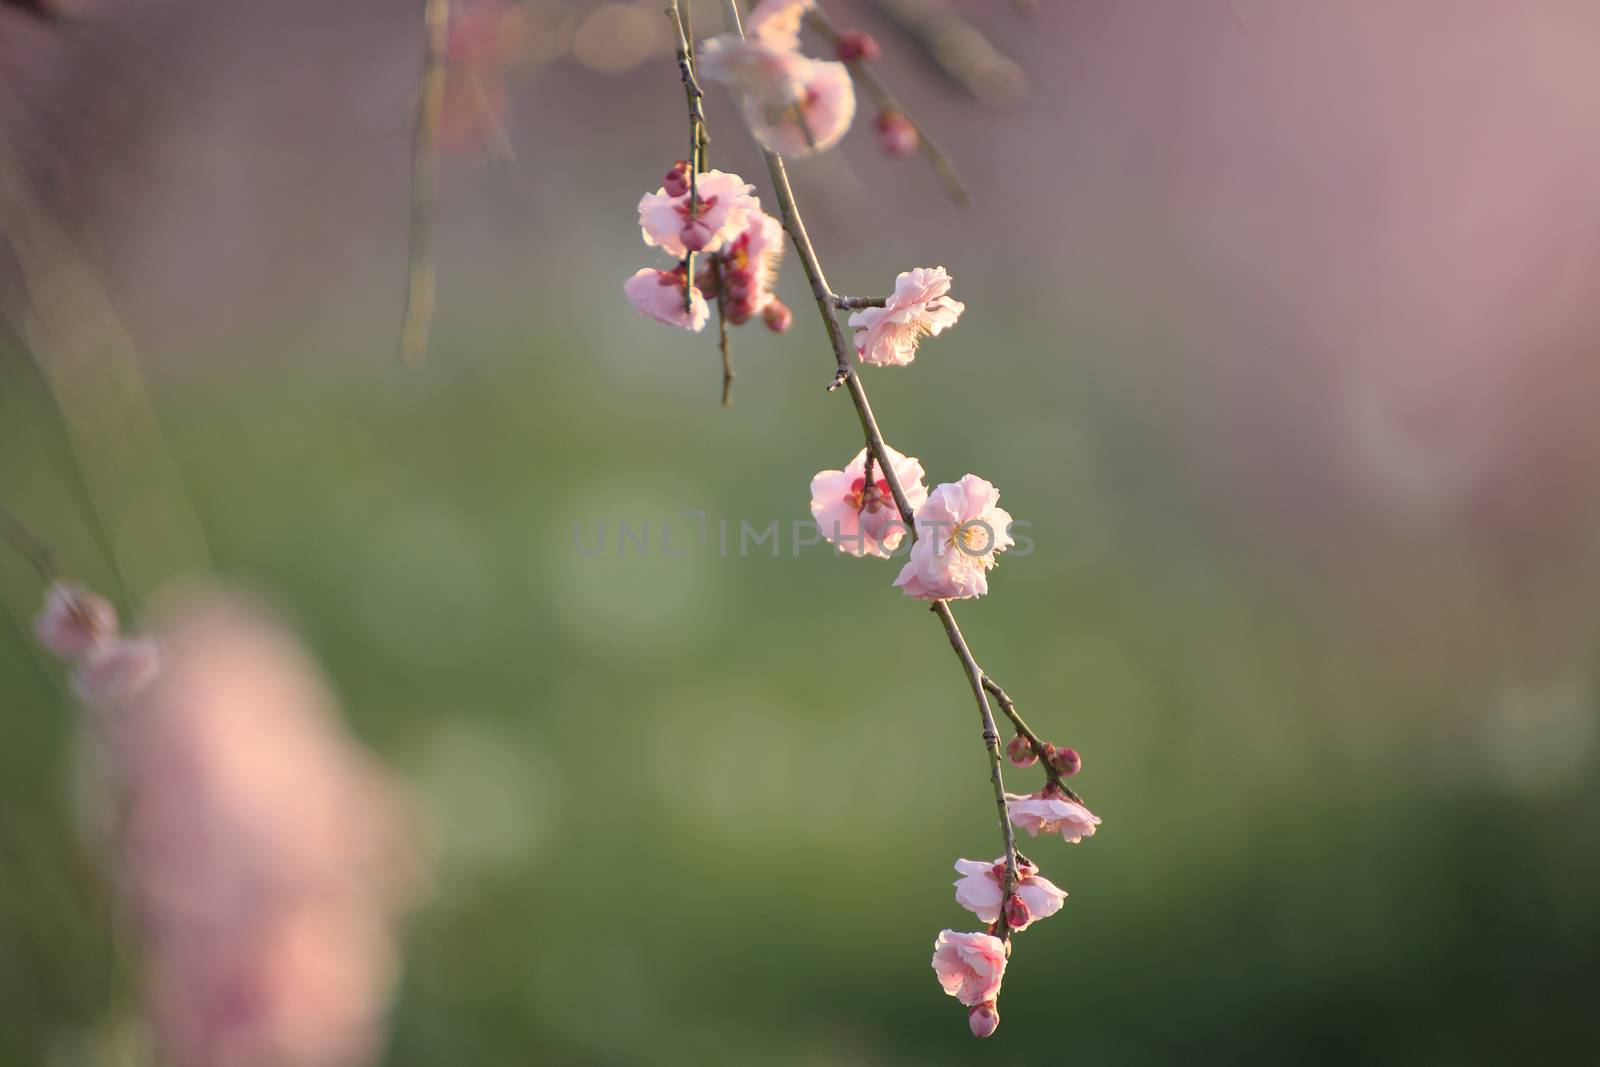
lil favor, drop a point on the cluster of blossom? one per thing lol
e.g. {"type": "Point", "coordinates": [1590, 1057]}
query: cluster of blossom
{"type": "Point", "coordinates": [971, 966]}
{"type": "Point", "coordinates": [719, 216]}
{"type": "Point", "coordinates": [262, 855]}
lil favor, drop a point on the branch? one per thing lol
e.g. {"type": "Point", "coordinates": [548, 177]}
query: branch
{"type": "Point", "coordinates": [420, 273]}
{"type": "Point", "coordinates": [868, 79]}
{"type": "Point", "coordinates": [847, 303]}
{"type": "Point", "coordinates": [1008, 706]}
{"type": "Point", "coordinates": [789, 212]}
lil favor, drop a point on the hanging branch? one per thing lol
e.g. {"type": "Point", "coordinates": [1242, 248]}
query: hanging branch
{"type": "Point", "coordinates": [420, 270]}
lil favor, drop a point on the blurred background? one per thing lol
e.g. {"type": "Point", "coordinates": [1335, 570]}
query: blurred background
{"type": "Point", "coordinates": [1280, 332]}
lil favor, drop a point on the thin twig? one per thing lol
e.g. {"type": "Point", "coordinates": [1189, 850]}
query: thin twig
{"type": "Point", "coordinates": [420, 272]}
{"type": "Point", "coordinates": [29, 545]}
{"type": "Point", "coordinates": [868, 79]}
{"type": "Point", "coordinates": [1009, 706]}
{"type": "Point", "coordinates": [698, 136]}
{"type": "Point", "coordinates": [722, 332]}
{"type": "Point", "coordinates": [991, 741]}
{"type": "Point", "coordinates": [789, 212]}
{"type": "Point", "coordinates": [849, 303]}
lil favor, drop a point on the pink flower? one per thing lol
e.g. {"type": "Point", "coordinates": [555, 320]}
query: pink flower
{"type": "Point", "coordinates": [980, 890]}
{"type": "Point", "coordinates": [658, 294]}
{"type": "Point", "coordinates": [969, 966]}
{"type": "Point", "coordinates": [74, 620]}
{"type": "Point", "coordinates": [751, 262]}
{"type": "Point", "coordinates": [888, 336]}
{"type": "Point", "coordinates": [960, 529]}
{"type": "Point", "coordinates": [1049, 812]}
{"type": "Point", "coordinates": [263, 854]}
{"type": "Point", "coordinates": [862, 519]}
{"type": "Point", "coordinates": [793, 104]}
{"type": "Point", "coordinates": [724, 204]}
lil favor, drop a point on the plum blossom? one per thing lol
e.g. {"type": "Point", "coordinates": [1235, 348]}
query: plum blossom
{"type": "Point", "coordinates": [722, 211]}
{"type": "Point", "coordinates": [487, 40]}
{"type": "Point", "coordinates": [793, 104]}
{"type": "Point", "coordinates": [969, 966]}
{"type": "Point", "coordinates": [116, 670]}
{"type": "Point", "coordinates": [960, 530]}
{"type": "Point", "coordinates": [658, 294]}
{"type": "Point", "coordinates": [750, 268]}
{"type": "Point", "coordinates": [862, 519]}
{"type": "Point", "coordinates": [980, 890]}
{"type": "Point", "coordinates": [1050, 812]}
{"type": "Point", "coordinates": [888, 336]}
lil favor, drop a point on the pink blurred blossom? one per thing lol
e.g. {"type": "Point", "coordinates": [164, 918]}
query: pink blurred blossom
{"type": "Point", "coordinates": [658, 294]}
{"type": "Point", "coordinates": [888, 336]}
{"type": "Point", "coordinates": [979, 890]}
{"type": "Point", "coordinates": [861, 519]}
{"type": "Point", "coordinates": [263, 854]}
{"type": "Point", "coordinates": [960, 530]}
{"type": "Point", "coordinates": [793, 104]}
{"type": "Point", "coordinates": [969, 966]}
{"type": "Point", "coordinates": [1049, 812]}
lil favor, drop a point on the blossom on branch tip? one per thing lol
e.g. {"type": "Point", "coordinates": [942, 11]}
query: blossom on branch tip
{"type": "Point", "coordinates": [74, 620]}
{"type": "Point", "coordinates": [658, 294]}
{"type": "Point", "coordinates": [723, 205]}
{"type": "Point", "coordinates": [863, 519]}
{"type": "Point", "coordinates": [969, 966]}
{"type": "Point", "coordinates": [1050, 812]}
{"type": "Point", "coordinates": [888, 336]}
{"type": "Point", "coordinates": [981, 891]}
{"type": "Point", "coordinates": [960, 530]}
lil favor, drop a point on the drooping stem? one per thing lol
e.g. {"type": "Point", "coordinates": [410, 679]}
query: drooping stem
{"type": "Point", "coordinates": [826, 301]}
{"type": "Point", "coordinates": [868, 79]}
{"type": "Point", "coordinates": [420, 269]}
{"type": "Point", "coordinates": [1009, 706]}
{"type": "Point", "coordinates": [698, 137]}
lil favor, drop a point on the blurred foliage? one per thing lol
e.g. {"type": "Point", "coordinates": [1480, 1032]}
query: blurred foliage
{"type": "Point", "coordinates": [695, 809]}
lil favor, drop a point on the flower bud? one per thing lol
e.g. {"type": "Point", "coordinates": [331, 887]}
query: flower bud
{"type": "Point", "coordinates": [706, 282]}
{"type": "Point", "coordinates": [1020, 752]}
{"type": "Point", "coordinates": [777, 316]}
{"type": "Point", "coordinates": [74, 621]}
{"type": "Point", "coordinates": [1066, 761]}
{"type": "Point", "coordinates": [1017, 913]}
{"type": "Point", "coordinates": [739, 311]}
{"type": "Point", "coordinates": [676, 182]}
{"type": "Point", "coordinates": [857, 44]}
{"type": "Point", "coordinates": [984, 1019]}
{"type": "Point", "coordinates": [695, 235]}
{"type": "Point", "coordinates": [896, 134]}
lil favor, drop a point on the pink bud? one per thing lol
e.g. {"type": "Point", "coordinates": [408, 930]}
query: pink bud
{"type": "Point", "coordinates": [855, 44]}
{"type": "Point", "coordinates": [696, 235]}
{"type": "Point", "coordinates": [676, 183]}
{"type": "Point", "coordinates": [777, 317]}
{"type": "Point", "coordinates": [896, 134]}
{"type": "Point", "coordinates": [1066, 761]}
{"type": "Point", "coordinates": [1017, 913]}
{"type": "Point", "coordinates": [984, 1019]}
{"type": "Point", "coordinates": [74, 621]}
{"type": "Point", "coordinates": [1020, 752]}
{"type": "Point", "coordinates": [739, 311]}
